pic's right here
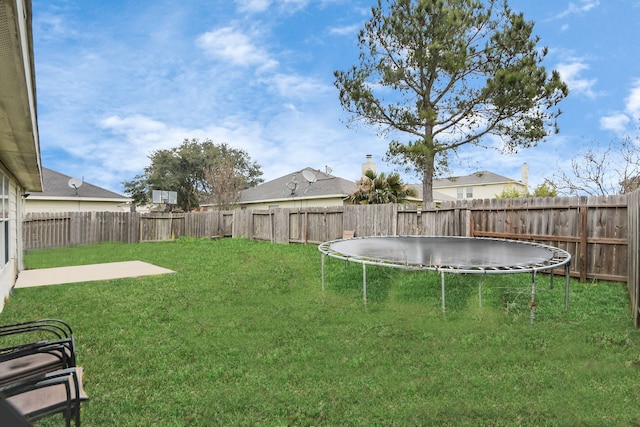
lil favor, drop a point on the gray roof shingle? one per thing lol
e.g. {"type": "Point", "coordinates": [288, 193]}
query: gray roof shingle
{"type": "Point", "coordinates": [56, 184]}
{"type": "Point", "coordinates": [286, 187]}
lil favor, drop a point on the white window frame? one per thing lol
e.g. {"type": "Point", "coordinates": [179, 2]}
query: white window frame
{"type": "Point", "coordinates": [5, 193]}
{"type": "Point", "coordinates": [469, 193]}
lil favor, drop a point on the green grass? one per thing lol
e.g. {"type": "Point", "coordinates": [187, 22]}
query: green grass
{"type": "Point", "coordinates": [242, 334]}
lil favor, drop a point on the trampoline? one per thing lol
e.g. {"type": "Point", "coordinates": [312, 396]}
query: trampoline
{"type": "Point", "coordinates": [457, 255]}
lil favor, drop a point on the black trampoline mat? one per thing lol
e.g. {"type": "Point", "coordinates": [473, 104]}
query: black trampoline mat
{"type": "Point", "coordinates": [458, 252]}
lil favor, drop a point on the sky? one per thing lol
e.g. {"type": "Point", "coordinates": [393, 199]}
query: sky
{"type": "Point", "coordinates": [121, 79]}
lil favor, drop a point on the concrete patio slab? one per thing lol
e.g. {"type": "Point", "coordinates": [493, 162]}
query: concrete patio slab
{"type": "Point", "coordinates": [87, 273]}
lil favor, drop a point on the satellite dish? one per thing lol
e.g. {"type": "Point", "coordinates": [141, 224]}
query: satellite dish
{"type": "Point", "coordinates": [309, 176]}
{"type": "Point", "coordinates": [292, 185]}
{"type": "Point", "coordinates": [75, 183]}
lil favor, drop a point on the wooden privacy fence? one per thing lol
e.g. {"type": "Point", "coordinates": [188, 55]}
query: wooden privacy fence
{"type": "Point", "coordinates": [593, 230]}
{"type": "Point", "coordinates": [53, 230]}
{"type": "Point", "coordinates": [600, 233]}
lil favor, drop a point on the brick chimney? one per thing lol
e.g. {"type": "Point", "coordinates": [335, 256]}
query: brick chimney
{"type": "Point", "coordinates": [369, 164]}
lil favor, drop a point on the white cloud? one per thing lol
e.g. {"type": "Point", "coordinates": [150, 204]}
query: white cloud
{"type": "Point", "coordinates": [571, 74]}
{"type": "Point", "coordinates": [259, 6]}
{"type": "Point", "coordinates": [580, 8]}
{"type": "Point", "coordinates": [620, 122]}
{"type": "Point", "coordinates": [253, 6]}
{"type": "Point", "coordinates": [288, 141]}
{"type": "Point", "coordinates": [633, 101]}
{"type": "Point", "coordinates": [131, 139]}
{"type": "Point", "coordinates": [616, 122]}
{"type": "Point", "coordinates": [346, 30]}
{"type": "Point", "coordinates": [127, 142]}
{"type": "Point", "coordinates": [132, 125]}
{"type": "Point", "coordinates": [235, 47]}
{"type": "Point", "coordinates": [293, 86]}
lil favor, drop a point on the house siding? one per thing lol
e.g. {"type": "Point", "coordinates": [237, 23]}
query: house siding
{"type": "Point", "coordinates": [9, 270]}
{"type": "Point", "coordinates": [480, 191]}
{"type": "Point", "coordinates": [33, 205]}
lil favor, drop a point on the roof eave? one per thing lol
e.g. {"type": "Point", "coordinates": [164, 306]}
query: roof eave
{"type": "Point", "coordinates": [20, 148]}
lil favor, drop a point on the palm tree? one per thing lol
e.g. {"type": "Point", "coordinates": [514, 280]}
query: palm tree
{"type": "Point", "coordinates": [378, 189]}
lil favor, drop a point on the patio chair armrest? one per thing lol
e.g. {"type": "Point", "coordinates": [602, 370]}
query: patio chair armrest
{"type": "Point", "coordinates": [12, 352]}
{"type": "Point", "coordinates": [34, 333]}
{"type": "Point", "coordinates": [56, 327]}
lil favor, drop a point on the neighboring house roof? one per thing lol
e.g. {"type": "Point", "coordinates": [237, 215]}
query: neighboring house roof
{"type": "Point", "coordinates": [476, 178]}
{"type": "Point", "coordinates": [307, 183]}
{"type": "Point", "coordinates": [56, 186]}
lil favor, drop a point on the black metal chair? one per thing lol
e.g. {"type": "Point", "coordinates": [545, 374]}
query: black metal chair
{"type": "Point", "coordinates": [38, 372]}
{"type": "Point", "coordinates": [47, 394]}
{"type": "Point", "coordinates": [35, 347]}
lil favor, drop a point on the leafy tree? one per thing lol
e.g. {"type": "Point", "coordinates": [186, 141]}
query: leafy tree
{"type": "Point", "coordinates": [512, 192]}
{"type": "Point", "coordinates": [188, 169]}
{"type": "Point", "coordinates": [378, 189]}
{"type": "Point", "coordinates": [446, 73]}
{"type": "Point", "coordinates": [545, 189]}
{"type": "Point", "coordinates": [229, 173]}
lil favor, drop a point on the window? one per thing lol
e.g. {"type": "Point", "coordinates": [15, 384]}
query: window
{"type": "Point", "coordinates": [465, 193]}
{"type": "Point", "coordinates": [4, 219]}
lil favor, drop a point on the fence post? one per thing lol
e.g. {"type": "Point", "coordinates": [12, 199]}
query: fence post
{"type": "Point", "coordinates": [583, 210]}
{"type": "Point", "coordinates": [633, 257]}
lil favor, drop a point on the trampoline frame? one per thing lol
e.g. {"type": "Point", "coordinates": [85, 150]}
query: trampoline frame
{"type": "Point", "coordinates": [559, 258]}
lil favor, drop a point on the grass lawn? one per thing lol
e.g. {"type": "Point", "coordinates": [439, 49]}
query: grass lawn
{"type": "Point", "coordinates": [242, 334]}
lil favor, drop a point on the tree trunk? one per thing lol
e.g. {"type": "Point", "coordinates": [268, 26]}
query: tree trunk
{"type": "Point", "coordinates": [427, 181]}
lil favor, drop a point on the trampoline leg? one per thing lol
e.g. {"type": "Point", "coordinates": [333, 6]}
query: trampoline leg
{"type": "Point", "coordinates": [551, 280]}
{"type": "Point", "coordinates": [532, 305]}
{"type": "Point", "coordinates": [480, 293]}
{"type": "Point", "coordinates": [443, 303]}
{"type": "Point", "coordinates": [567, 278]}
{"type": "Point", "coordinates": [323, 273]}
{"type": "Point", "coordinates": [364, 282]}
